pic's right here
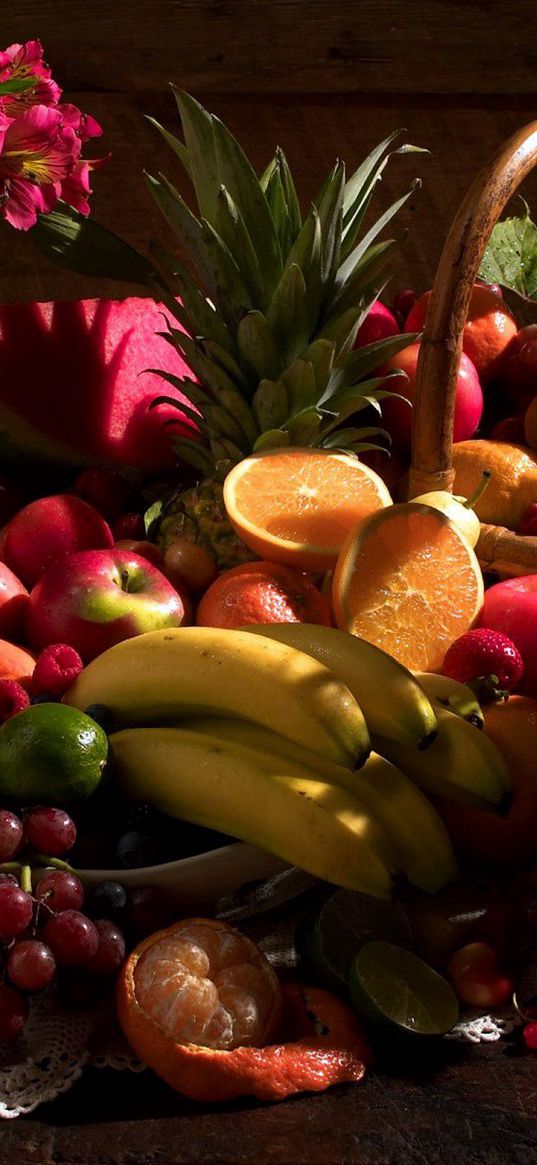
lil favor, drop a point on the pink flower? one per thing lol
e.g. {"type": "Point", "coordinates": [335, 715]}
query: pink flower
{"type": "Point", "coordinates": [25, 62]}
{"type": "Point", "coordinates": [37, 156]}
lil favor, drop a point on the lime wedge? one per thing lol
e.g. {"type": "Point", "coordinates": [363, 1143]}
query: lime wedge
{"type": "Point", "coordinates": [331, 934]}
{"type": "Point", "coordinates": [395, 989]}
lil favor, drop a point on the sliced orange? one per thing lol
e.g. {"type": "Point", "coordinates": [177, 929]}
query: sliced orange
{"type": "Point", "coordinates": [408, 581]}
{"type": "Point", "coordinates": [297, 506]}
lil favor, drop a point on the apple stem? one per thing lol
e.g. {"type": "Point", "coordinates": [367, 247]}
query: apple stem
{"type": "Point", "coordinates": [125, 580]}
{"type": "Point", "coordinates": [479, 491]}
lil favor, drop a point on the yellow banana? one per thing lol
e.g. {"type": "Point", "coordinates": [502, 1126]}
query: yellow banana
{"type": "Point", "coordinates": [247, 794]}
{"type": "Point", "coordinates": [456, 697]}
{"type": "Point", "coordinates": [163, 675]}
{"type": "Point", "coordinates": [423, 850]}
{"type": "Point", "coordinates": [461, 764]}
{"type": "Point", "coordinates": [393, 702]}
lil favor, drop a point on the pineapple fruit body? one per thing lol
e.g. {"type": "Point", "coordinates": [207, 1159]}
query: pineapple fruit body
{"type": "Point", "coordinates": [198, 515]}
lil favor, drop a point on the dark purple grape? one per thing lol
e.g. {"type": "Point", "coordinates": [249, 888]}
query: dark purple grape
{"type": "Point", "coordinates": [31, 965]}
{"type": "Point", "coordinates": [16, 910]}
{"type": "Point", "coordinates": [11, 833]}
{"type": "Point", "coordinates": [71, 937]}
{"type": "Point", "coordinates": [111, 950]}
{"type": "Point", "coordinates": [60, 890]}
{"type": "Point", "coordinates": [50, 831]}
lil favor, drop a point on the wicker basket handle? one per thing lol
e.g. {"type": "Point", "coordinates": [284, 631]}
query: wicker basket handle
{"type": "Point", "coordinates": [434, 400]}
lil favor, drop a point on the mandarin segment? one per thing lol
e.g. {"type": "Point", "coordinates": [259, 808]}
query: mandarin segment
{"type": "Point", "coordinates": [202, 982]}
{"type": "Point", "coordinates": [297, 505]}
{"type": "Point", "coordinates": [409, 582]}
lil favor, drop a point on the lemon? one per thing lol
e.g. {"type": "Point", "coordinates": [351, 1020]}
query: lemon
{"type": "Point", "coordinates": [513, 483]}
{"type": "Point", "coordinates": [400, 993]}
{"type": "Point", "coordinates": [51, 753]}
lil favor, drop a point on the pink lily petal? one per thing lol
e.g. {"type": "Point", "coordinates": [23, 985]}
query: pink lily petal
{"type": "Point", "coordinates": [76, 188]}
{"type": "Point", "coordinates": [84, 124]}
{"type": "Point", "coordinates": [23, 202]}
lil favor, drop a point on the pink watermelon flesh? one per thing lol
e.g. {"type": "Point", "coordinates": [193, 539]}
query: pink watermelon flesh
{"type": "Point", "coordinates": [74, 385]}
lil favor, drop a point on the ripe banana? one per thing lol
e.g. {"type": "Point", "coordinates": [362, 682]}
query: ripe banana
{"type": "Point", "coordinates": [461, 764]}
{"type": "Point", "coordinates": [165, 674]}
{"type": "Point", "coordinates": [393, 702]}
{"type": "Point", "coordinates": [247, 794]}
{"type": "Point", "coordinates": [456, 697]}
{"type": "Point", "coordinates": [421, 846]}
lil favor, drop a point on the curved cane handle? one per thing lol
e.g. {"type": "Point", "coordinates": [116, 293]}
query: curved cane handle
{"type": "Point", "coordinates": [434, 401]}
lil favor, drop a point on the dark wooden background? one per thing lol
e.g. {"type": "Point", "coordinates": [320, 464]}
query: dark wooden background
{"type": "Point", "coordinates": [322, 78]}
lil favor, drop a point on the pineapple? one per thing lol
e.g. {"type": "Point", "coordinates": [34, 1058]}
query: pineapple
{"type": "Point", "coordinates": [269, 304]}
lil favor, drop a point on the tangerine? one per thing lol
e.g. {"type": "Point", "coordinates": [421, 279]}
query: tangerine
{"type": "Point", "coordinates": [262, 592]}
{"type": "Point", "coordinates": [408, 581]}
{"type": "Point", "coordinates": [297, 505]}
{"type": "Point", "coordinates": [488, 329]}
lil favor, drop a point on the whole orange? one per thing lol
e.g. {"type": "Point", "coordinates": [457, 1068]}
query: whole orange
{"type": "Point", "coordinates": [487, 837]}
{"type": "Point", "coordinates": [262, 592]}
{"type": "Point", "coordinates": [488, 329]}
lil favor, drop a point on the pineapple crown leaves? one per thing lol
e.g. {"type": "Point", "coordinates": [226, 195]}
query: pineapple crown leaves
{"type": "Point", "coordinates": [291, 291]}
{"type": "Point", "coordinates": [265, 303]}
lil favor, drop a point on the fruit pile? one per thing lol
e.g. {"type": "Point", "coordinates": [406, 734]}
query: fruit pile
{"type": "Point", "coordinates": [276, 651]}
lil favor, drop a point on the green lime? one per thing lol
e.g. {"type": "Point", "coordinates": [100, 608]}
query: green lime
{"type": "Point", "coordinates": [332, 933]}
{"type": "Point", "coordinates": [51, 753]}
{"type": "Point", "coordinates": [395, 989]}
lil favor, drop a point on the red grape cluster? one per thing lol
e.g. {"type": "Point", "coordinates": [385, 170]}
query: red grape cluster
{"type": "Point", "coordinates": [44, 930]}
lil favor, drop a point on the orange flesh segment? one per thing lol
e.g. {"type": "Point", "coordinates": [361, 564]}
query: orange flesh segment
{"type": "Point", "coordinates": [201, 988]}
{"type": "Point", "coordinates": [306, 496]}
{"type": "Point", "coordinates": [409, 584]}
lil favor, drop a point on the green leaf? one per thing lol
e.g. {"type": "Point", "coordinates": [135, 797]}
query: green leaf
{"type": "Point", "coordinates": [185, 226]}
{"type": "Point", "coordinates": [222, 424]}
{"type": "Point", "coordinates": [257, 347]}
{"type": "Point", "coordinates": [195, 393]}
{"type": "Point", "coordinates": [291, 197]}
{"type": "Point", "coordinates": [272, 439]}
{"type": "Point", "coordinates": [346, 437]}
{"type": "Point", "coordinates": [275, 196]}
{"type": "Point", "coordinates": [360, 186]}
{"type": "Point", "coordinates": [198, 128]}
{"type": "Point", "coordinates": [181, 407]}
{"type": "Point", "coordinates": [177, 146]}
{"type": "Point", "coordinates": [367, 359]}
{"type": "Point", "coordinates": [304, 426]}
{"type": "Point", "coordinates": [219, 355]}
{"type": "Point", "coordinates": [211, 374]}
{"type": "Point", "coordinates": [237, 175]}
{"type": "Point", "coordinates": [235, 404]}
{"type": "Point", "coordinates": [362, 283]}
{"type": "Point", "coordinates": [330, 208]}
{"type": "Point", "coordinates": [193, 453]}
{"type": "Point", "coordinates": [270, 404]}
{"type": "Point", "coordinates": [81, 245]}
{"type": "Point", "coordinates": [231, 294]}
{"type": "Point", "coordinates": [232, 229]}
{"type": "Point", "coordinates": [194, 311]}
{"type": "Point", "coordinates": [511, 256]}
{"type": "Point", "coordinates": [320, 355]}
{"type": "Point", "coordinates": [152, 518]}
{"type": "Point", "coordinates": [299, 380]}
{"type": "Point", "coordinates": [288, 315]}
{"type": "Point", "coordinates": [366, 241]}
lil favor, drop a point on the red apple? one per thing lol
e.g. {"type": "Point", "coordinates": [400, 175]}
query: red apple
{"type": "Point", "coordinates": [517, 368]}
{"type": "Point", "coordinates": [511, 606]}
{"type": "Point", "coordinates": [14, 599]}
{"type": "Point", "coordinates": [96, 598]}
{"type": "Point", "coordinates": [46, 529]}
{"type": "Point", "coordinates": [379, 323]}
{"type": "Point", "coordinates": [397, 416]}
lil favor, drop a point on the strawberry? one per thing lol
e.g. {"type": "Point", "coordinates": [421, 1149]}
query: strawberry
{"type": "Point", "coordinates": [528, 521]}
{"type": "Point", "coordinates": [484, 654]}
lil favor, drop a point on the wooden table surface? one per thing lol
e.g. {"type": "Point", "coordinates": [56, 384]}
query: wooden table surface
{"type": "Point", "coordinates": [471, 1106]}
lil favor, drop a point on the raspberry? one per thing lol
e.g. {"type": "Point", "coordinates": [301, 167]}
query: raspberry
{"type": "Point", "coordinates": [482, 653]}
{"type": "Point", "coordinates": [528, 521]}
{"type": "Point", "coordinates": [57, 666]}
{"type": "Point", "coordinates": [13, 699]}
{"type": "Point", "coordinates": [129, 526]}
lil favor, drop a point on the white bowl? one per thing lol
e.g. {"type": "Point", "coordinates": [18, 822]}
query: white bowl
{"type": "Point", "coordinates": [233, 881]}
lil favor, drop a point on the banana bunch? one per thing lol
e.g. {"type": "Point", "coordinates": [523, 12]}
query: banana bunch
{"type": "Point", "coordinates": [265, 733]}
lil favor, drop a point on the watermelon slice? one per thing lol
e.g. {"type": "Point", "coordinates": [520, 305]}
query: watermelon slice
{"type": "Point", "coordinates": [74, 387]}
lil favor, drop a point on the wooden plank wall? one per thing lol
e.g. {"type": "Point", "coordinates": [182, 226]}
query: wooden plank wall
{"type": "Point", "coordinates": [322, 79]}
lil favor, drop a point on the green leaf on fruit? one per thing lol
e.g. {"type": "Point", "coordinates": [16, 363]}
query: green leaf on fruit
{"type": "Point", "coordinates": [510, 257]}
{"type": "Point", "coordinates": [152, 518]}
{"type": "Point", "coordinates": [81, 245]}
